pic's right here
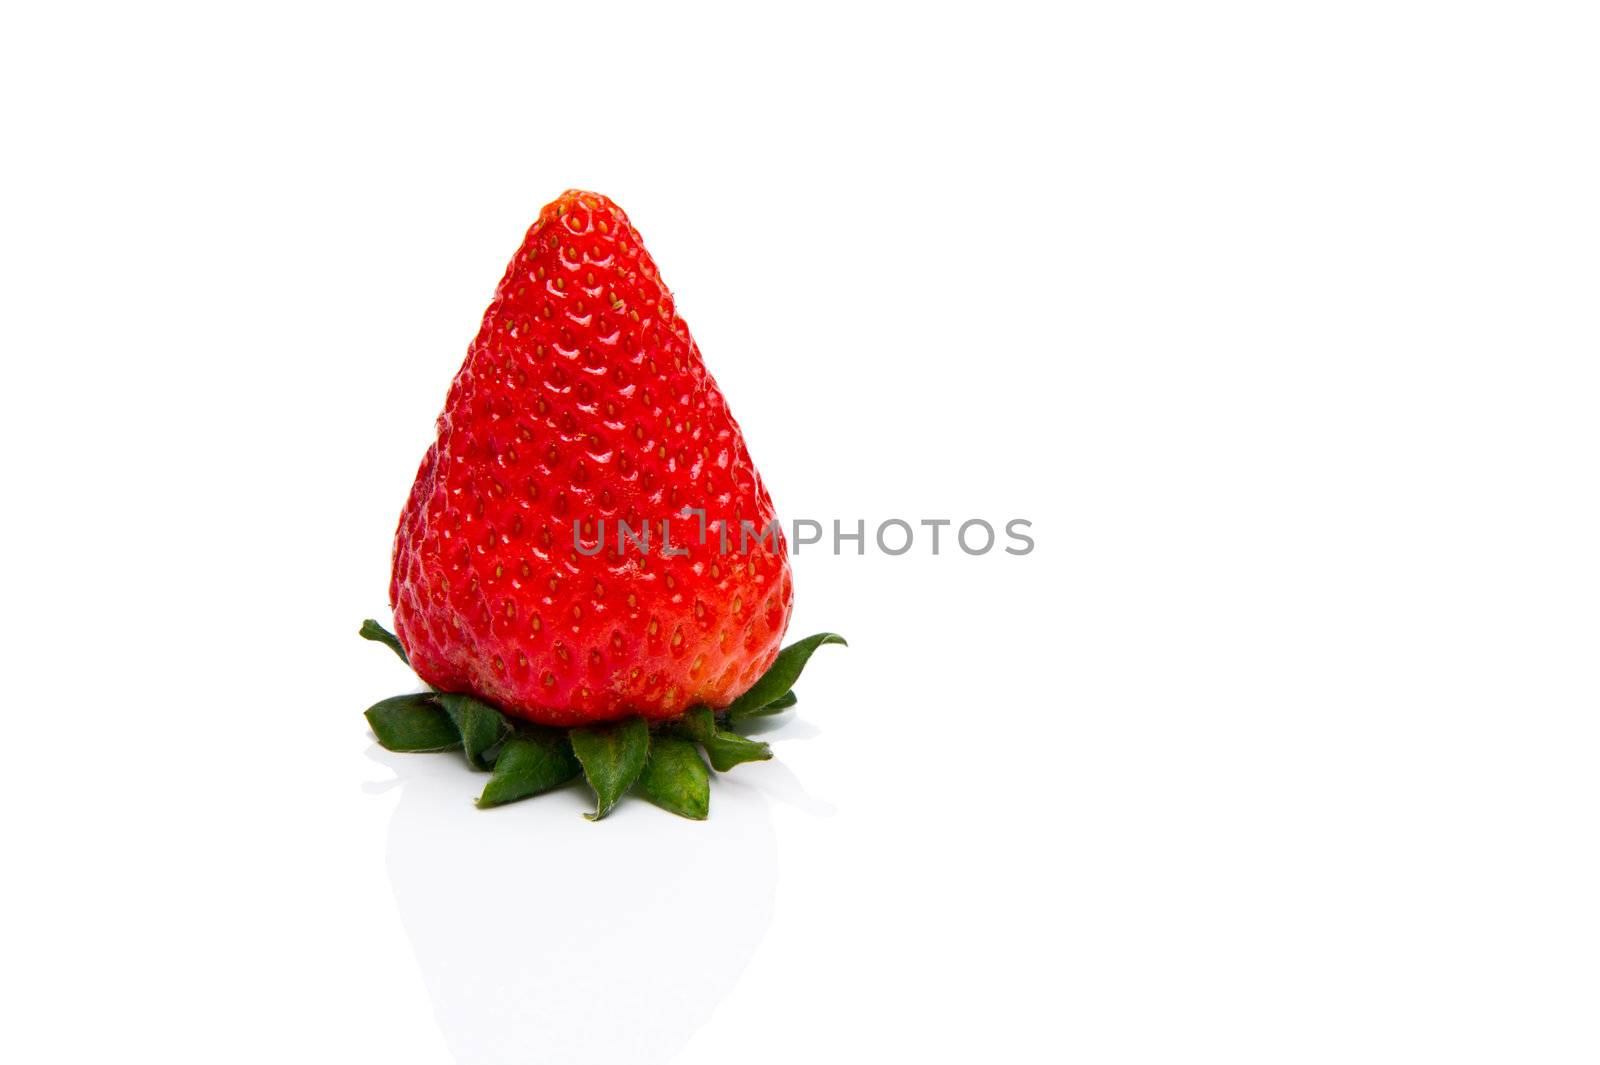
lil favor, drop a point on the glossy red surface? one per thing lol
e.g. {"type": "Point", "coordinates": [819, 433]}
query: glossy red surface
{"type": "Point", "coordinates": [584, 398]}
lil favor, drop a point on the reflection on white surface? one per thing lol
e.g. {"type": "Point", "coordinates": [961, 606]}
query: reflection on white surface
{"type": "Point", "coordinates": [545, 938]}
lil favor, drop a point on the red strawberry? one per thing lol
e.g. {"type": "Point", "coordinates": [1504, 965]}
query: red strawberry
{"type": "Point", "coordinates": [584, 398]}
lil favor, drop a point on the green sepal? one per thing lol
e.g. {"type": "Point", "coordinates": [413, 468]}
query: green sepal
{"type": "Point", "coordinates": [371, 630]}
{"type": "Point", "coordinates": [675, 778]}
{"type": "Point", "coordinates": [777, 680]}
{"type": "Point", "coordinates": [782, 702]}
{"type": "Point", "coordinates": [612, 756]}
{"type": "Point", "coordinates": [529, 759]}
{"type": "Point", "coordinates": [533, 761]}
{"type": "Point", "coordinates": [777, 706]}
{"type": "Point", "coordinates": [481, 726]}
{"type": "Point", "coordinates": [725, 749]}
{"type": "Point", "coordinates": [413, 723]}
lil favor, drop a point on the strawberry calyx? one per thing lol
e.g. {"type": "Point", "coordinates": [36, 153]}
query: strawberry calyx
{"type": "Point", "coordinates": [662, 762]}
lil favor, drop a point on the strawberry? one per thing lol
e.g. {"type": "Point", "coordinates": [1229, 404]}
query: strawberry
{"type": "Point", "coordinates": [583, 408]}
{"type": "Point", "coordinates": [584, 399]}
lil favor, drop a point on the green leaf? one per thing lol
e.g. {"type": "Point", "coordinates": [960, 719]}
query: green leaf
{"type": "Point", "coordinates": [612, 756]}
{"type": "Point", "coordinates": [675, 778]}
{"type": "Point", "coordinates": [725, 749]}
{"type": "Point", "coordinates": [782, 702]}
{"type": "Point", "coordinates": [413, 723]}
{"type": "Point", "coordinates": [777, 706]}
{"type": "Point", "coordinates": [371, 630]}
{"type": "Point", "coordinates": [481, 726]}
{"type": "Point", "coordinates": [697, 723]}
{"type": "Point", "coordinates": [777, 681]}
{"type": "Point", "coordinates": [728, 749]}
{"type": "Point", "coordinates": [532, 762]}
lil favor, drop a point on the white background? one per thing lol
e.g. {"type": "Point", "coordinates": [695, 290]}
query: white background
{"type": "Point", "coordinates": [1277, 320]}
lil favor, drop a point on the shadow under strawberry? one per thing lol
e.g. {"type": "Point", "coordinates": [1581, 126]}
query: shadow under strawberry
{"type": "Point", "coordinates": [661, 761]}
